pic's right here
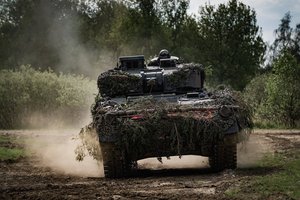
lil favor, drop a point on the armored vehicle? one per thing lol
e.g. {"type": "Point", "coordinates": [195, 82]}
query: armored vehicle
{"type": "Point", "coordinates": [162, 109]}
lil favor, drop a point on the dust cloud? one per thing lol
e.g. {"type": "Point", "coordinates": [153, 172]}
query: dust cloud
{"type": "Point", "coordinates": [249, 153]}
{"type": "Point", "coordinates": [57, 119]}
{"type": "Point", "coordinates": [65, 37]}
{"type": "Point", "coordinates": [253, 150]}
{"type": "Point", "coordinates": [174, 162]}
{"type": "Point", "coordinates": [56, 150]}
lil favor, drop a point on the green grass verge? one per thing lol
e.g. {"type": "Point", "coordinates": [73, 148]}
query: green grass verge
{"type": "Point", "coordinates": [233, 193]}
{"type": "Point", "coordinates": [263, 124]}
{"type": "Point", "coordinates": [284, 181]}
{"type": "Point", "coordinates": [267, 124]}
{"type": "Point", "coordinates": [7, 154]}
{"type": "Point", "coordinates": [10, 148]}
{"type": "Point", "coordinates": [272, 161]}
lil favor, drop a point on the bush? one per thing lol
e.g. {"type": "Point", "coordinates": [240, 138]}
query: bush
{"type": "Point", "coordinates": [34, 99]}
{"type": "Point", "coordinates": [255, 95]}
{"type": "Point", "coordinates": [275, 97]}
{"type": "Point", "coordinates": [283, 90]}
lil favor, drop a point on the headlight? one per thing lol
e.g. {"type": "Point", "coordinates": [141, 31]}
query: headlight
{"type": "Point", "coordinates": [225, 112]}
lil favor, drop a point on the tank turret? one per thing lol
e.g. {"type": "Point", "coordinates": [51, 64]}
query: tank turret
{"type": "Point", "coordinates": [134, 77]}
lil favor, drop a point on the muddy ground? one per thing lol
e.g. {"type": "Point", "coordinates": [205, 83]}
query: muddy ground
{"type": "Point", "coordinates": [51, 172]}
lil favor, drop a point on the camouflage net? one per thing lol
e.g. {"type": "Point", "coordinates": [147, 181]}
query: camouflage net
{"type": "Point", "coordinates": [88, 144]}
{"type": "Point", "coordinates": [165, 129]}
{"type": "Point", "coordinates": [175, 79]}
{"type": "Point", "coordinates": [117, 83]}
{"type": "Point", "coordinates": [244, 115]}
{"type": "Point", "coordinates": [158, 127]}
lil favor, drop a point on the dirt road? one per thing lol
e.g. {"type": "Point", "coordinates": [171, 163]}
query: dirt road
{"type": "Point", "coordinates": [48, 175]}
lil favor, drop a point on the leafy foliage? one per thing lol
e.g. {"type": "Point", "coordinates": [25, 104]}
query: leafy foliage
{"type": "Point", "coordinates": [283, 90]}
{"type": "Point", "coordinates": [28, 96]}
{"type": "Point", "coordinates": [274, 95]}
{"type": "Point", "coordinates": [287, 38]}
{"type": "Point", "coordinates": [255, 95]}
{"type": "Point", "coordinates": [231, 42]}
{"type": "Point", "coordinates": [88, 36]}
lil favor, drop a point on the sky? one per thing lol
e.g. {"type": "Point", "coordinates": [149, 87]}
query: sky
{"type": "Point", "coordinates": [268, 13]}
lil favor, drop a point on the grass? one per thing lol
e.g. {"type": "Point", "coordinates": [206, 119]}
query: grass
{"type": "Point", "coordinates": [7, 154]}
{"type": "Point", "coordinates": [233, 192]}
{"type": "Point", "coordinates": [267, 124]}
{"type": "Point", "coordinates": [272, 161]}
{"type": "Point", "coordinates": [285, 181]}
{"type": "Point", "coordinates": [264, 124]}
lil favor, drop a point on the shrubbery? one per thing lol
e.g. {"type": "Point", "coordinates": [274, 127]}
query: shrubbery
{"type": "Point", "coordinates": [275, 97]}
{"type": "Point", "coordinates": [283, 89]}
{"type": "Point", "coordinates": [32, 98]}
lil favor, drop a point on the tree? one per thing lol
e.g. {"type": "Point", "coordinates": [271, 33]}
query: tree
{"type": "Point", "coordinates": [286, 39]}
{"type": "Point", "coordinates": [101, 31]}
{"type": "Point", "coordinates": [231, 43]}
{"type": "Point", "coordinates": [255, 93]}
{"type": "Point", "coordinates": [174, 15]}
{"type": "Point", "coordinates": [26, 31]}
{"type": "Point", "coordinates": [142, 28]}
{"type": "Point", "coordinates": [283, 90]}
{"type": "Point", "coordinates": [188, 41]}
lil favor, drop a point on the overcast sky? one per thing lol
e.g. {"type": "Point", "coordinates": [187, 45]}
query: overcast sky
{"type": "Point", "coordinates": [268, 12]}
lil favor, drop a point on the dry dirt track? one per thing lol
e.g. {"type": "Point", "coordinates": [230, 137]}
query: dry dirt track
{"type": "Point", "coordinates": [28, 179]}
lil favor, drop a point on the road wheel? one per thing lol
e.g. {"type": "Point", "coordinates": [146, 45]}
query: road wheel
{"type": "Point", "coordinates": [216, 160]}
{"type": "Point", "coordinates": [230, 156]}
{"type": "Point", "coordinates": [115, 164]}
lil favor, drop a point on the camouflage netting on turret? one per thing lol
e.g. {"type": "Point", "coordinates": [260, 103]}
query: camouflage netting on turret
{"type": "Point", "coordinates": [120, 83]}
{"type": "Point", "coordinates": [176, 127]}
{"type": "Point", "coordinates": [117, 83]}
{"type": "Point", "coordinates": [175, 79]}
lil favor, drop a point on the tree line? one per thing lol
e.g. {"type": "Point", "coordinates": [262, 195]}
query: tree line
{"type": "Point", "coordinates": [274, 94]}
{"type": "Point", "coordinates": [87, 37]}
{"type": "Point", "coordinates": [73, 36]}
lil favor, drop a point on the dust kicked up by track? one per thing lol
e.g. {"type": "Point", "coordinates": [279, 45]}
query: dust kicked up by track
{"type": "Point", "coordinates": [51, 170]}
